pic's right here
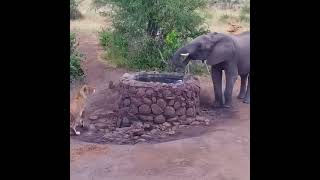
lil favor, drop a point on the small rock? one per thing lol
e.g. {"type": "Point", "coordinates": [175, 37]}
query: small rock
{"type": "Point", "coordinates": [136, 101]}
{"type": "Point", "coordinates": [154, 131]}
{"type": "Point", "coordinates": [145, 136]}
{"type": "Point", "coordinates": [207, 122]}
{"type": "Point", "coordinates": [144, 109]}
{"type": "Point", "coordinates": [101, 125]}
{"type": "Point", "coordinates": [172, 119]}
{"type": "Point", "coordinates": [149, 92]}
{"type": "Point", "coordinates": [166, 124]}
{"type": "Point", "coordinates": [170, 97]}
{"type": "Point", "coordinates": [147, 127]}
{"type": "Point", "coordinates": [174, 128]}
{"type": "Point", "coordinates": [122, 130]}
{"type": "Point", "coordinates": [190, 103]}
{"type": "Point", "coordinates": [176, 123]}
{"type": "Point", "coordinates": [190, 112]}
{"type": "Point", "coordinates": [126, 102]}
{"type": "Point", "coordinates": [156, 109]}
{"type": "Point", "coordinates": [182, 126]}
{"type": "Point", "coordinates": [125, 122]}
{"type": "Point", "coordinates": [147, 101]}
{"type": "Point", "coordinates": [159, 119]}
{"type": "Point", "coordinates": [132, 117]}
{"type": "Point", "coordinates": [119, 121]}
{"type": "Point", "coordinates": [154, 99]}
{"type": "Point", "coordinates": [162, 127]}
{"type": "Point", "coordinates": [178, 92]}
{"type": "Point", "coordinates": [189, 94]}
{"type": "Point", "coordinates": [137, 124]}
{"type": "Point", "coordinates": [124, 111]}
{"type": "Point", "coordinates": [171, 132]}
{"type": "Point", "coordinates": [163, 136]}
{"type": "Point", "coordinates": [133, 109]}
{"type": "Point", "coordinates": [107, 135]}
{"type": "Point", "coordinates": [183, 104]}
{"type": "Point", "coordinates": [181, 111]}
{"type": "Point", "coordinates": [162, 103]}
{"type": "Point", "coordinates": [176, 105]}
{"type": "Point", "coordinates": [92, 128]}
{"type": "Point", "coordinates": [190, 120]}
{"type": "Point", "coordinates": [141, 92]}
{"type": "Point", "coordinates": [146, 118]}
{"type": "Point", "coordinates": [136, 137]}
{"type": "Point", "coordinates": [126, 136]}
{"type": "Point", "coordinates": [132, 90]}
{"type": "Point", "coordinates": [171, 102]}
{"type": "Point", "coordinates": [169, 111]}
{"type": "Point", "coordinates": [141, 140]}
{"type": "Point", "coordinates": [99, 111]}
{"type": "Point", "coordinates": [93, 117]}
{"type": "Point", "coordinates": [111, 85]}
{"type": "Point", "coordinates": [102, 120]}
{"type": "Point", "coordinates": [200, 118]}
{"type": "Point", "coordinates": [137, 132]}
{"type": "Point", "coordinates": [166, 93]}
{"type": "Point", "coordinates": [194, 123]}
{"type": "Point", "coordinates": [183, 118]}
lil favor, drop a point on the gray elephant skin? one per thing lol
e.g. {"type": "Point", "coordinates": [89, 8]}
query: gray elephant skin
{"type": "Point", "coordinates": [230, 53]}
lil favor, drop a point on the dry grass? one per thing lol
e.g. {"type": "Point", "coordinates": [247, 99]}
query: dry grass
{"type": "Point", "coordinates": [91, 21]}
{"type": "Point", "coordinates": [218, 21]}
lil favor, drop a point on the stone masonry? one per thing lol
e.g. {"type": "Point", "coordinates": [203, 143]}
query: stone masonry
{"type": "Point", "coordinates": [156, 102]}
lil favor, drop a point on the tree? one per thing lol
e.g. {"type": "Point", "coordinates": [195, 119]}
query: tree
{"type": "Point", "coordinates": [146, 32]}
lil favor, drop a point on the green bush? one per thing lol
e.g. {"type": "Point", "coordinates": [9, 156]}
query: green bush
{"type": "Point", "coordinates": [74, 12]}
{"type": "Point", "coordinates": [76, 73]}
{"type": "Point", "coordinates": [245, 12]}
{"type": "Point", "coordinates": [146, 33]}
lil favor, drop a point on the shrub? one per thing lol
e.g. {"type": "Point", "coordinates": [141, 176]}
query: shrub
{"type": "Point", "coordinates": [76, 73]}
{"type": "Point", "coordinates": [245, 11]}
{"type": "Point", "coordinates": [146, 33]}
{"type": "Point", "coordinates": [74, 12]}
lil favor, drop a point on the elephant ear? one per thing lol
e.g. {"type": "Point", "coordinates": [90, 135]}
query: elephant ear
{"type": "Point", "coordinates": [224, 50]}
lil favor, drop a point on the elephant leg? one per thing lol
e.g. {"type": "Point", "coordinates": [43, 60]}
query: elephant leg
{"type": "Point", "coordinates": [231, 77]}
{"type": "Point", "coordinates": [216, 75]}
{"type": "Point", "coordinates": [247, 98]}
{"type": "Point", "coordinates": [243, 86]}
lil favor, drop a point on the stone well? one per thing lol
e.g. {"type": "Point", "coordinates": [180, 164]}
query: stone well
{"type": "Point", "coordinates": [158, 97]}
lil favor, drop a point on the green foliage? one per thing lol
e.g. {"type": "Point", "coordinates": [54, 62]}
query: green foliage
{"type": "Point", "coordinates": [74, 12]}
{"type": "Point", "coordinates": [146, 33]}
{"type": "Point", "coordinates": [245, 12]}
{"type": "Point", "coordinates": [76, 73]}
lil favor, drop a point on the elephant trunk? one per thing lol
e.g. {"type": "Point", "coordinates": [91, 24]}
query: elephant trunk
{"type": "Point", "coordinates": [176, 63]}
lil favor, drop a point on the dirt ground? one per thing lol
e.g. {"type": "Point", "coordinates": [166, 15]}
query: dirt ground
{"type": "Point", "coordinates": [220, 152]}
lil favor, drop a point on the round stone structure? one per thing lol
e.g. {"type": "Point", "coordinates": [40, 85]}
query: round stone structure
{"type": "Point", "coordinates": [158, 98]}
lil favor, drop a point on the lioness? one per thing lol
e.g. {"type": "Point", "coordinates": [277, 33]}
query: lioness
{"type": "Point", "coordinates": [77, 107]}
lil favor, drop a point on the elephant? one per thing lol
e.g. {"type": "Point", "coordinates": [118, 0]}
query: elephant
{"type": "Point", "coordinates": [227, 52]}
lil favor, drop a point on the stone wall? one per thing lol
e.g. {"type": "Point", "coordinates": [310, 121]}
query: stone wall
{"type": "Point", "coordinates": [157, 102]}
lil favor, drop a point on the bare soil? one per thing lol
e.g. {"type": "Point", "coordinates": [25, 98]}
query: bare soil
{"type": "Point", "coordinates": [219, 152]}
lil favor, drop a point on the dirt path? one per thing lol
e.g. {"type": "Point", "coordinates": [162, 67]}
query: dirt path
{"type": "Point", "coordinates": [223, 153]}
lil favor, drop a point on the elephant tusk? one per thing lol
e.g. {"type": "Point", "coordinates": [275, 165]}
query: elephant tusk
{"type": "Point", "coordinates": [185, 55]}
